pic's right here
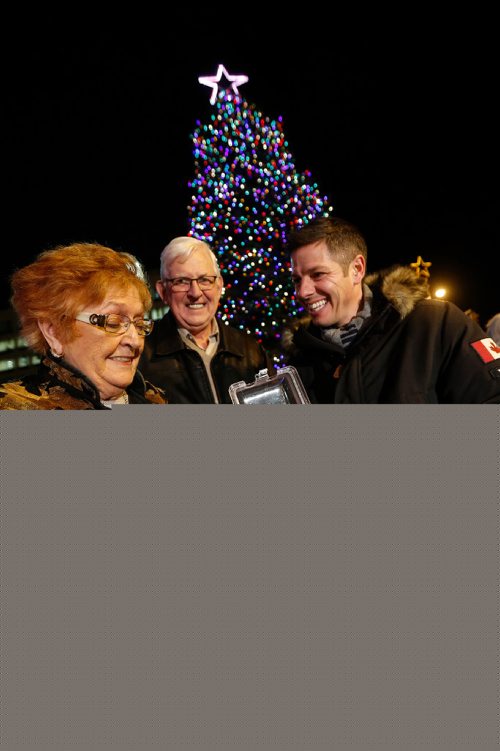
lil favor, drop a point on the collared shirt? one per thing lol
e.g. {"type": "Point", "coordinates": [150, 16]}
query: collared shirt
{"type": "Point", "coordinates": [122, 399]}
{"type": "Point", "coordinates": [205, 354]}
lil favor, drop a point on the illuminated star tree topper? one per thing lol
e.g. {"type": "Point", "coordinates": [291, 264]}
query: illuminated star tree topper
{"type": "Point", "coordinates": [215, 82]}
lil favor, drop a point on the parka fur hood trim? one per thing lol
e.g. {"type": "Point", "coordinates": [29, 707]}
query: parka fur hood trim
{"type": "Point", "coordinates": [398, 285]}
{"type": "Point", "coordinates": [401, 286]}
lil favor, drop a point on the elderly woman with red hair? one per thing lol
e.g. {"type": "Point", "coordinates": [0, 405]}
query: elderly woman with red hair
{"type": "Point", "coordinates": [83, 308]}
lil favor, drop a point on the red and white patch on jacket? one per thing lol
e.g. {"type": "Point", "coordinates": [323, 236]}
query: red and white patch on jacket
{"type": "Point", "coordinates": [486, 349]}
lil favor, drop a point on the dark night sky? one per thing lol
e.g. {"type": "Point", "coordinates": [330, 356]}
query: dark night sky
{"type": "Point", "coordinates": [400, 132]}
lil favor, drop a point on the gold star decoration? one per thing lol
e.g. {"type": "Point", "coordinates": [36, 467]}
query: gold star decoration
{"type": "Point", "coordinates": [421, 267]}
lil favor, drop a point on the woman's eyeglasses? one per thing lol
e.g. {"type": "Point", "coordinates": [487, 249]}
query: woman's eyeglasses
{"type": "Point", "coordinates": [116, 324]}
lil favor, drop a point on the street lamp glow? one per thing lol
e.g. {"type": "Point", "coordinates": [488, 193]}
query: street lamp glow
{"type": "Point", "coordinates": [440, 292]}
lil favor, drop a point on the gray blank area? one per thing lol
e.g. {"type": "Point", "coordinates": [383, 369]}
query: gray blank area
{"type": "Point", "coordinates": [236, 577]}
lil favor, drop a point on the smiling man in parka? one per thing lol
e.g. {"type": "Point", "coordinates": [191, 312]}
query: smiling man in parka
{"type": "Point", "coordinates": [379, 338]}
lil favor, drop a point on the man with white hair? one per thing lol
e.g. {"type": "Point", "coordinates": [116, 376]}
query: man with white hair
{"type": "Point", "coordinates": [190, 354]}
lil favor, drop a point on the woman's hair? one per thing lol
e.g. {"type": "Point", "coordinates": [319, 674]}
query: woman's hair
{"type": "Point", "coordinates": [65, 280]}
{"type": "Point", "coordinates": [182, 247]}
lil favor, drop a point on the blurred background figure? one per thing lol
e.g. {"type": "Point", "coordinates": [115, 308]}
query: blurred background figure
{"type": "Point", "coordinates": [493, 328]}
{"type": "Point", "coordinates": [472, 315]}
{"type": "Point", "coordinates": [83, 308]}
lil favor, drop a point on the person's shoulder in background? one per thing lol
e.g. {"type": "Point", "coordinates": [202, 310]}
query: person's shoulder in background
{"type": "Point", "coordinates": [493, 328]}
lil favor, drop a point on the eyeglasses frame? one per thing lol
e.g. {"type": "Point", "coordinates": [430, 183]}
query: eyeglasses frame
{"type": "Point", "coordinates": [196, 279]}
{"type": "Point", "coordinates": [100, 320]}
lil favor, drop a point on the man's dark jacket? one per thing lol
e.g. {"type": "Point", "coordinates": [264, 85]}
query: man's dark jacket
{"type": "Point", "coordinates": [179, 370]}
{"type": "Point", "coordinates": [411, 350]}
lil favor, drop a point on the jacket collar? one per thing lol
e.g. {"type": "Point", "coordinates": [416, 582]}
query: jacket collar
{"type": "Point", "coordinates": [400, 286]}
{"type": "Point", "coordinates": [71, 379]}
{"type": "Point", "coordinates": [78, 384]}
{"type": "Point", "coordinates": [167, 340]}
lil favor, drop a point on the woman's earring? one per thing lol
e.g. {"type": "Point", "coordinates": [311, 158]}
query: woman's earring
{"type": "Point", "coordinates": [57, 355]}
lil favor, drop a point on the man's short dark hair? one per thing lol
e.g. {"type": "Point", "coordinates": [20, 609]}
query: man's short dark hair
{"type": "Point", "coordinates": [342, 238]}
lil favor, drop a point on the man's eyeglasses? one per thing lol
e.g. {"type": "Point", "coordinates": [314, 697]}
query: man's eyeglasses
{"type": "Point", "coordinates": [183, 283]}
{"type": "Point", "coordinates": [116, 324]}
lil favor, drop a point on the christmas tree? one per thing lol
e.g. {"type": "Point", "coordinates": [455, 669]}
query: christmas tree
{"type": "Point", "coordinates": [247, 195]}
